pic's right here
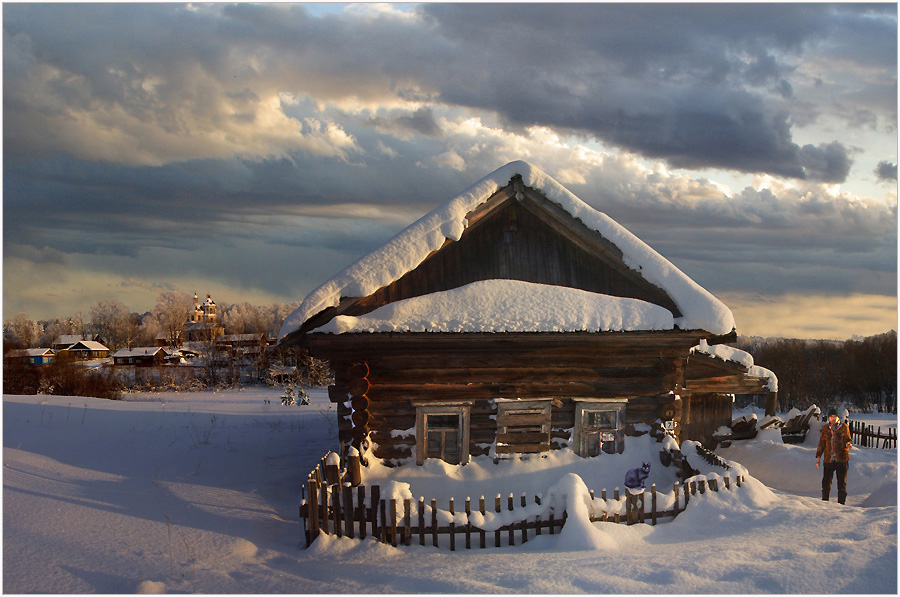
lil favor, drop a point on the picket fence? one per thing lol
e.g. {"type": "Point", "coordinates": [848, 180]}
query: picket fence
{"type": "Point", "coordinates": [866, 436]}
{"type": "Point", "coordinates": [332, 504]}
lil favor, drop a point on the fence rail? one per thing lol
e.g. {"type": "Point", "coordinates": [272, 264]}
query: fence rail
{"type": "Point", "coordinates": [867, 436]}
{"type": "Point", "coordinates": [332, 505]}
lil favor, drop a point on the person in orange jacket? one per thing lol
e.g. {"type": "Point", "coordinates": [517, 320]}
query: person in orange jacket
{"type": "Point", "coordinates": [834, 444]}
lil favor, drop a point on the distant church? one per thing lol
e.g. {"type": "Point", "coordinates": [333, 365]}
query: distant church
{"type": "Point", "coordinates": [202, 324]}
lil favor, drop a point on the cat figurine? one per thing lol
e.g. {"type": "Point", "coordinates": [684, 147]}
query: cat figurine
{"type": "Point", "coordinates": [636, 477]}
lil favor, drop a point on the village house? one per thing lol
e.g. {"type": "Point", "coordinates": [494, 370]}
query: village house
{"type": "Point", "coordinates": [518, 319]}
{"type": "Point", "coordinates": [67, 340]}
{"type": "Point", "coordinates": [84, 350]}
{"type": "Point", "coordinates": [142, 356]}
{"type": "Point", "coordinates": [30, 356]}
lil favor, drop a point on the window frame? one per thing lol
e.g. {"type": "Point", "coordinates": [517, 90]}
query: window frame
{"type": "Point", "coordinates": [460, 409]}
{"type": "Point", "coordinates": [582, 437]}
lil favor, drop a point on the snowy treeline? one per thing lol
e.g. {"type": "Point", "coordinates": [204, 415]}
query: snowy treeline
{"type": "Point", "coordinates": [861, 372]}
{"type": "Point", "coordinates": [122, 328]}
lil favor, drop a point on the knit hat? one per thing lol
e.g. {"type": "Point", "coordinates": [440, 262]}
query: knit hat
{"type": "Point", "coordinates": [834, 412]}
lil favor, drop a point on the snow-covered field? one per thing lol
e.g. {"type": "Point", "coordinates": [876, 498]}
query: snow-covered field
{"type": "Point", "coordinates": [199, 492]}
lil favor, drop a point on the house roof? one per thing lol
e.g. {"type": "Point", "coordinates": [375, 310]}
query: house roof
{"type": "Point", "coordinates": [508, 306]}
{"type": "Point", "coordinates": [138, 351]}
{"type": "Point", "coordinates": [87, 345]}
{"type": "Point", "coordinates": [404, 252]}
{"type": "Point", "coordinates": [30, 352]}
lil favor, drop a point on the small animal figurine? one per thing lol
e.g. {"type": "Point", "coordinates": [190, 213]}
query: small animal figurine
{"type": "Point", "coordinates": [637, 476]}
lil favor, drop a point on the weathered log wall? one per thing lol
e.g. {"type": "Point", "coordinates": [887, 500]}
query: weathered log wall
{"type": "Point", "coordinates": [378, 377]}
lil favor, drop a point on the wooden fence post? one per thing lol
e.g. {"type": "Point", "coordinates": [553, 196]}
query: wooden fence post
{"type": "Point", "coordinates": [324, 502]}
{"type": "Point", "coordinates": [336, 508]}
{"type": "Point", "coordinates": [497, 532]}
{"type": "Point", "coordinates": [312, 511]}
{"type": "Point", "coordinates": [653, 503]}
{"type": "Point", "coordinates": [482, 542]}
{"type": "Point", "coordinates": [354, 471]}
{"type": "Point", "coordinates": [374, 500]}
{"type": "Point", "coordinates": [616, 517]}
{"type": "Point", "coordinates": [361, 502]}
{"type": "Point", "coordinates": [348, 511]}
{"type": "Point", "coordinates": [452, 528]}
{"type": "Point", "coordinates": [524, 503]}
{"type": "Point", "coordinates": [422, 520]}
{"type": "Point", "coordinates": [512, 537]}
{"type": "Point", "coordinates": [605, 516]}
{"type": "Point", "coordinates": [434, 522]}
{"type": "Point", "coordinates": [468, 523]}
{"type": "Point", "coordinates": [407, 515]}
{"type": "Point", "coordinates": [393, 522]}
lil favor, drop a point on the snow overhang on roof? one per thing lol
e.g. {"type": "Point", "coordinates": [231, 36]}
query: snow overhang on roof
{"type": "Point", "coordinates": [743, 358]}
{"type": "Point", "coordinates": [508, 306]}
{"type": "Point", "coordinates": [405, 251]}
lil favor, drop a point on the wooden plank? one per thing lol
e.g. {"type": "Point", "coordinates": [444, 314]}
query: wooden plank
{"type": "Point", "coordinates": [524, 438]}
{"type": "Point", "coordinates": [611, 389]}
{"type": "Point", "coordinates": [523, 448]}
{"type": "Point", "coordinates": [508, 419]}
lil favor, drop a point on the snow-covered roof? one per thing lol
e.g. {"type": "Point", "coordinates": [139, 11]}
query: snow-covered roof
{"type": "Point", "coordinates": [736, 355]}
{"type": "Point", "coordinates": [508, 306]}
{"type": "Point", "coordinates": [138, 351]}
{"type": "Point", "coordinates": [89, 345]}
{"type": "Point", "coordinates": [405, 251]}
{"type": "Point", "coordinates": [30, 352]}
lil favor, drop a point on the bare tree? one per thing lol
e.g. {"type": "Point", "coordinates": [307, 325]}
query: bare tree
{"type": "Point", "coordinates": [171, 312]}
{"type": "Point", "coordinates": [112, 320]}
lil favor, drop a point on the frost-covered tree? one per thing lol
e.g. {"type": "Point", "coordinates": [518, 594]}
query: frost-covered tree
{"type": "Point", "coordinates": [24, 332]}
{"type": "Point", "coordinates": [171, 312]}
{"type": "Point", "coordinates": [296, 372]}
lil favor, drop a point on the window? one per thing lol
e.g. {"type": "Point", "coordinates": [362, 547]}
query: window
{"type": "Point", "coordinates": [442, 431]}
{"type": "Point", "coordinates": [599, 427]}
{"type": "Point", "coordinates": [523, 426]}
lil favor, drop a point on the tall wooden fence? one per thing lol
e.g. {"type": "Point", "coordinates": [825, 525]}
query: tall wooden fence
{"type": "Point", "coordinates": [333, 505]}
{"type": "Point", "coordinates": [867, 436]}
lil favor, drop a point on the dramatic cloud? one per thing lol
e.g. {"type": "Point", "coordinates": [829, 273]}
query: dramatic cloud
{"type": "Point", "coordinates": [886, 171]}
{"type": "Point", "coordinates": [257, 149]}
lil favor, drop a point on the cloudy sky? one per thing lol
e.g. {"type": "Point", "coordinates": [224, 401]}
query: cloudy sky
{"type": "Point", "coordinates": [253, 151]}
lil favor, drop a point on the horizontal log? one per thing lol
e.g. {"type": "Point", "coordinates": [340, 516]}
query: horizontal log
{"type": "Point", "coordinates": [656, 343]}
{"type": "Point", "coordinates": [387, 440]}
{"type": "Point", "coordinates": [394, 452]}
{"type": "Point", "coordinates": [523, 448]}
{"type": "Point", "coordinates": [511, 372]}
{"type": "Point", "coordinates": [608, 389]}
{"type": "Point", "coordinates": [509, 419]}
{"type": "Point", "coordinates": [730, 385]}
{"type": "Point", "coordinates": [523, 438]}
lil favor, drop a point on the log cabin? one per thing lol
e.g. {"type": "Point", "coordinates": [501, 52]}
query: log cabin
{"type": "Point", "coordinates": [516, 319]}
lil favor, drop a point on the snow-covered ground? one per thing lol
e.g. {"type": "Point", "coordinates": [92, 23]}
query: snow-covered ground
{"type": "Point", "coordinates": [199, 492]}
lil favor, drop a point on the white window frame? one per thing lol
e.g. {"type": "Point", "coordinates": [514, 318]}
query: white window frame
{"type": "Point", "coordinates": [442, 409]}
{"type": "Point", "coordinates": [583, 437]}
